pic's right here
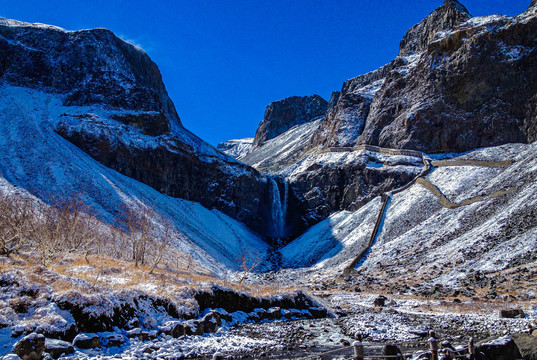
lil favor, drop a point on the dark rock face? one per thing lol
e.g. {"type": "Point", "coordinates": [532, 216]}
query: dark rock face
{"type": "Point", "coordinates": [89, 66]}
{"type": "Point", "coordinates": [512, 313]}
{"type": "Point", "coordinates": [472, 88]}
{"type": "Point", "coordinates": [232, 301]}
{"type": "Point", "coordinates": [282, 115]}
{"type": "Point", "coordinates": [457, 85]}
{"type": "Point", "coordinates": [325, 190]}
{"type": "Point", "coordinates": [348, 110]}
{"type": "Point", "coordinates": [94, 67]}
{"type": "Point", "coordinates": [176, 169]}
{"type": "Point", "coordinates": [446, 17]}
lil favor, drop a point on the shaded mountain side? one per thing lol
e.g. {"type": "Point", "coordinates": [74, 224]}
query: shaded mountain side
{"type": "Point", "coordinates": [104, 83]}
{"type": "Point", "coordinates": [88, 66]}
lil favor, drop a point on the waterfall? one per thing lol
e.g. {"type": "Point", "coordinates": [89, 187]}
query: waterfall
{"type": "Point", "coordinates": [278, 210]}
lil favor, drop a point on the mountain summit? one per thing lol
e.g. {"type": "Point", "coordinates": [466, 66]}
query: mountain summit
{"type": "Point", "coordinates": [446, 17]}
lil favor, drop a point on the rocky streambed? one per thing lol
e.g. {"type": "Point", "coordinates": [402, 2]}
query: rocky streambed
{"type": "Point", "coordinates": [291, 333]}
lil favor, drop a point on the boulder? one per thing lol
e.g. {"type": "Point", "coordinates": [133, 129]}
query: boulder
{"type": "Point", "coordinates": [210, 322]}
{"type": "Point", "coordinates": [512, 313]}
{"type": "Point", "coordinates": [274, 313]}
{"type": "Point", "coordinates": [380, 301]}
{"type": "Point", "coordinates": [139, 334]}
{"type": "Point", "coordinates": [57, 348]}
{"type": "Point", "coordinates": [527, 344]}
{"type": "Point", "coordinates": [503, 348]}
{"type": "Point", "coordinates": [390, 350]}
{"type": "Point", "coordinates": [87, 341]}
{"type": "Point", "coordinates": [318, 313]}
{"type": "Point", "coordinates": [30, 347]}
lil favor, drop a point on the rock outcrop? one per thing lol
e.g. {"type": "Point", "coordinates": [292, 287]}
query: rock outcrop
{"type": "Point", "coordinates": [446, 17]}
{"type": "Point", "coordinates": [282, 115]}
{"type": "Point", "coordinates": [88, 66]}
{"type": "Point", "coordinates": [327, 187]}
{"type": "Point", "coordinates": [30, 347]}
{"type": "Point", "coordinates": [474, 87]}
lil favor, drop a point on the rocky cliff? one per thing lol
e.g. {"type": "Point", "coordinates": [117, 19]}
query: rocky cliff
{"type": "Point", "coordinates": [118, 112]}
{"type": "Point", "coordinates": [88, 67]}
{"type": "Point", "coordinates": [458, 83]}
{"type": "Point", "coordinates": [446, 17]}
{"type": "Point", "coordinates": [282, 115]}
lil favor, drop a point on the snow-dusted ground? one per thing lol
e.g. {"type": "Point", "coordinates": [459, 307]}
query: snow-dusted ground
{"type": "Point", "coordinates": [37, 161]}
{"type": "Point", "coordinates": [421, 238]}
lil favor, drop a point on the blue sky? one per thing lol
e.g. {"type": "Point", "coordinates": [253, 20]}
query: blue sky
{"type": "Point", "coordinates": [223, 62]}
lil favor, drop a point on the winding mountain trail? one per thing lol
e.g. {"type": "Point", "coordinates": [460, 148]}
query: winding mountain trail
{"type": "Point", "coordinates": [429, 165]}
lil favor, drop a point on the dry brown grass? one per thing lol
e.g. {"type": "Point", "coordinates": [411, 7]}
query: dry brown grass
{"type": "Point", "coordinates": [102, 272]}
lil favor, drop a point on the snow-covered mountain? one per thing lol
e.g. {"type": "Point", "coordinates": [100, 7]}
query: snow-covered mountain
{"type": "Point", "coordinates": [452, 88]}
{"type": "Point", "coordinates": [107, 129]}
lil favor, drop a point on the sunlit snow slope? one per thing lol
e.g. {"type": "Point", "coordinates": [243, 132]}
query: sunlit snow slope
{"type": "Point", "coordinates": [422, 240]}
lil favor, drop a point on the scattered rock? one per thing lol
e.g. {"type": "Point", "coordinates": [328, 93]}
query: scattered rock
{"type": "Point", "coordinates": [390, 350]}
{"type": "Point", "coordinates": [30, 347]}
{"type": "Point", "coordinates": [57, 348]}
{"type": "Point", "coordinates": [87, 341]}
{"type": "Point", "coordinates": [512, 313]}
{"type": "Point", "coordinates": [112, 339]}
{"type": "Point", "coordinates": [345, 342]}
{"type": "Point", "coordinates": [380, 301]}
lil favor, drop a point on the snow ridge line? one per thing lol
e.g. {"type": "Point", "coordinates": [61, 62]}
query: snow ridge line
{"type": "Point", "coordinates": [373, 148]}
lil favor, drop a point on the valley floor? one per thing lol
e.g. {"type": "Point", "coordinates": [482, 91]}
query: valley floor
{"type": "Point", "coordinates": [404, 319]}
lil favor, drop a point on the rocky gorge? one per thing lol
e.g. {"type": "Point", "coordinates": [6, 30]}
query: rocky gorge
{"type": "Point", "coordinates": [414, 184]}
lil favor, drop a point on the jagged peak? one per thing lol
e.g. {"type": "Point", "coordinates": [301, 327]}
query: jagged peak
{"type": "Point", "coordinates": [458, 5]}
{"type": "Point", "coordinates": [445, 17]}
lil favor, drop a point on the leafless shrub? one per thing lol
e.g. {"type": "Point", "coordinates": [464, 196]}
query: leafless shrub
{"type": "Point", "coordinates": [17, 221]}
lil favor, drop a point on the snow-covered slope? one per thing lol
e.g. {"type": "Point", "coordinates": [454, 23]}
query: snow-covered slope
{"type": "Point", "coordinates": [36, 159]}
{"type": "Point", "coordinates": [421, 240]}
{"type": "Point", "coordinates": [275, 154]}
{"type": "Point", "coordinates": [236, 148]}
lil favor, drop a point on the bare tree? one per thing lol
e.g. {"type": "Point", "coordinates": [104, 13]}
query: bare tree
{"type": "Point", "coordinates": [248, 265]}
{"type": "Point", "coordinates": [17, 219]}
{"type": "Point", "coordinates": [162, 241]}
{"type": "Point", "coordinates": [138, 224]}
